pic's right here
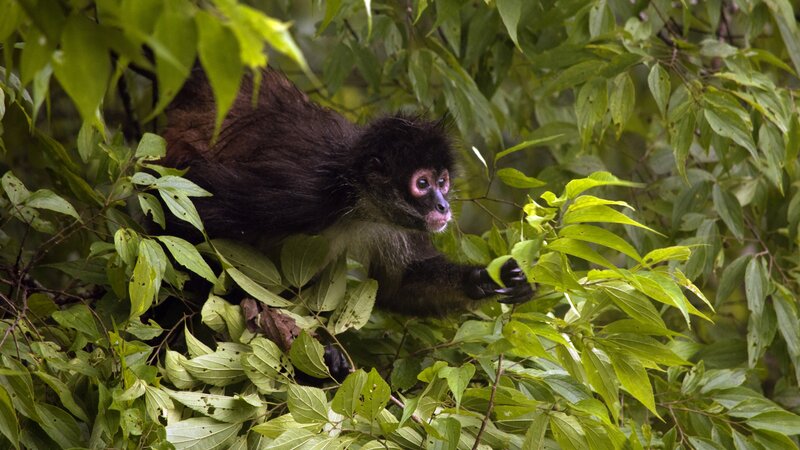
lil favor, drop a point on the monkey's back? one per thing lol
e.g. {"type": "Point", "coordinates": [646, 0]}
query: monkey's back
{"type": "Point", "coordinates": [278, 165]}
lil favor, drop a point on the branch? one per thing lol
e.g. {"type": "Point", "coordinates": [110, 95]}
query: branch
{"type": "Point", "coordinates": [491, 401]}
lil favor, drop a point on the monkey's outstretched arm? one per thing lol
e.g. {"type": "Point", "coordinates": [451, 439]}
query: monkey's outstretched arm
{"type": "Point", "coordinates": [436, 286]}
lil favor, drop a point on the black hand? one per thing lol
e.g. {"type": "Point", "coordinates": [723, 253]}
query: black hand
{"type": "Point", "coordinates": [516, 290]}
{"type": "Point", "coordinates": [337, 363]}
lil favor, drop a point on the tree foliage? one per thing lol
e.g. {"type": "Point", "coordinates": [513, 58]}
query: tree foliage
{"type": "Point", "coordinates": [638, 159]}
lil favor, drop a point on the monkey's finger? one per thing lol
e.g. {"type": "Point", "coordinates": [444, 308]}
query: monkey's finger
{"type": "Point", "coordinates": [519, 278]}
{"type": "Point", "coordinates": [522, 298]}
{"type": "Point", "coordinates": [513, 290]}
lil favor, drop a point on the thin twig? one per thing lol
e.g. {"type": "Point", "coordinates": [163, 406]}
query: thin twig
{"type": "Point", "coordinates": [489, 408]}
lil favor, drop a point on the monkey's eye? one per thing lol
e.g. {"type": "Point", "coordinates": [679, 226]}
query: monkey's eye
{"type": "Point", "coordinates": [441, 182]}
{"type": "Point", "coordinates": [422, 183]}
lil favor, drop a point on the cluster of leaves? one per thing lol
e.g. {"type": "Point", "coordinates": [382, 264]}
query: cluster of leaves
{"type": "Point", "coordinates": [104, 343]}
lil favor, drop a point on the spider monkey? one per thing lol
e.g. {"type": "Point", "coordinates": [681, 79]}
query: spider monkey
{"type": "Point", "coordinates": [285, 165]}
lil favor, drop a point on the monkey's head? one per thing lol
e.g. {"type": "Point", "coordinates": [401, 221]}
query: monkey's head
{"type": "Point", "coordinates": [403, 171]}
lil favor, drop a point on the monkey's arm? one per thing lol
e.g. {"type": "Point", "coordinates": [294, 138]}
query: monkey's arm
{"type": "Point", "coordinates": [436, 286]}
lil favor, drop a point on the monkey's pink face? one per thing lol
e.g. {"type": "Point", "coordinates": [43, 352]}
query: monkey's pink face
{"type": "Point", "coordinates": [429, 188]}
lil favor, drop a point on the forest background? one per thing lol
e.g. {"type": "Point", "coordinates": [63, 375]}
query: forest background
{"type": "Point", "coordinates": [639, 159]}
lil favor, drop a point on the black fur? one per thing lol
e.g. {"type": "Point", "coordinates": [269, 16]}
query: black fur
{"type": "Point", "coordinates": [283, 164]}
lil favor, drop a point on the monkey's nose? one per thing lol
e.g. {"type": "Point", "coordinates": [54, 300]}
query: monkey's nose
{"type": "Point", "coordinates": [442, 207]}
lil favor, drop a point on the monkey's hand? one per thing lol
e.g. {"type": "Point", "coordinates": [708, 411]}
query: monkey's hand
{"type": "Point", "coordinates": [517, 288]}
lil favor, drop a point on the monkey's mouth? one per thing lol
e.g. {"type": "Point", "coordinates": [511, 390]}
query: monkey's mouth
{"type": "Point", "coordinates": [437, 221]}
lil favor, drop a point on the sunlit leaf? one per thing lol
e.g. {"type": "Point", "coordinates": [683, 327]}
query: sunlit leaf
{"type": "Point", "coordinates": [307, 404]}
{"type": "Point", "coordinates": [306, 355]}
{"type": "Point", "coordinates": [83, 68]}
{"type": "Point", "coordinates": [658, 81]}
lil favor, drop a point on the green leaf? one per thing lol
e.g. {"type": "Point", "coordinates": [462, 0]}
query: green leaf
{"type": "Point", "coordinates": [634, 303]}
{"type": "Point", "coordinates": [577, 248]}
{"type": "Point", "coordinates": [348, 397]}
{"type": "Point", "coordinates": [756, 285]}
{"type": "Point", "coordinates": [600, 236]}
{"type": "Point", "coordinates": [181, 207]}
{"type": "Point", "coordinates": [223, 317]}
{"type": "Point", "coordinates": [306, 355]}
{"type": "Point", "coordinates": [633, 378]}
{"type": "Point", "coordinates": [729, 124]}
{"type": "Point", "coordinates": [151, 146]}
{"type": "Point", "coordinates": [476, 249]}
{"type": "Point", "coordinates": [524, 340]}
{"type": "Point", "coordinates": [602, 214]}
{"type": "Point", "coordinates": [514, 178]}
{"type": "Point", "coordinates": [494, 268]}
{"type": "Point", "coordinates": [782, 422]}
{"type": "Point", "coordinates": [256, 290]}
{"type": "Point", "coordinates": [146, 280]}
{"type": "Point", "coordinates": [276, 33]}
{"type": "Point", "coordinates": [188, 256]}
{"type": "Point", "coordinates": [12, 14]}
{"type": "Point", "coordinates": [404, 373]}
{"type": "Point", "coordinates": [658, 82]}
{"type": "Point", "coordinates": [662, 288]}
{"type": "Point", "coordinates": [788, 323]}
{"type": "Point", "coordinates": [59, 425]}
{"type": "Point", "coordinates": [356, 309]}
{"type": "Point", "coordinates": [307, 404]}
{"type": "Point", "coordinates": [172, 183]}
{"type": "Point", "coordinates": [681, 137]}
{"type": "Point", "coordinates": [218, 49]}
{"type": "Point", "coordinates": [601, 19]}
{"type": "Point", "coordinates": [195, 346]}
{"type": "Point", "coordinates": [249, 261]}
{"type": "Point", "coordinates": [659, 255]}
{"type": "Point", "coordinates": [221, 368]}
{"type": "Point", "coordinates": [590, 107]}
{"type": "Point", "coordinates": [174, 44]}
{"type": "Point", "coordinates": [236, 409]}
{"type": "Point", "coordinates": [729, 210]}
{"type": "Point", "coordinates": [157, 403]}
{"type": "Point", "coordinates": [83, 68]}
{"type": "Point", "coordinates": [375, 395]}
{"type": "Point", "coordinates": [761, 330]}
{"type": "Point", "coordinates": [201, 433]}
{"type": "Point", "coordinates": [80, 318]}
{"type": "Point", "coordinates": [296, 439]}
{"type": "Point", "coordinates": [534, 437]}
{"type": "Point", "coordinates": [549, 136]}
{"type": "Point", "coordinates": [731, 278]}
{"type": "Point", "coordinates": [622, 99]}
{"type": "Point", "coordinates": [510, 11]}
{"type": "Point", "coordinates": [783, 14]}
{"type": "Point", "coordinates": [576, 187]}
{"type": "Point", "coordinates": [457, 380]}
{"type": "Point", "coordinates": [133, 392]}
{"type": "Point", "coordinates": [14, 189]}
{"type": "Point", "coordinates": [302, 257]}
{"type": "Point", "coordinates": [47, 199]}
{"type": "Point", "coordinates": [19, 385]}
{"type": "Point", "coordinates": [9, 424]}
{"type": "Point", "coordinates": [567, 432]}
{"type": "Point", "coordinates": [329, 291]}
{"type": "Point", "coordinates": [644, 348]}
{"type": "Point", "coordinates": [176, 373]}
{"type": "Point", "coordinates": [150, 205]}
{"type": "Point", "coordinates": [601, 376]}
{"type": "Point", "coordinates": [267, 366]}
